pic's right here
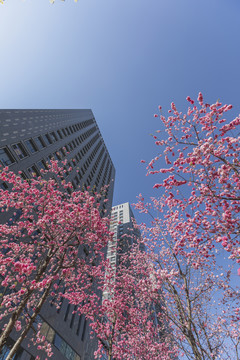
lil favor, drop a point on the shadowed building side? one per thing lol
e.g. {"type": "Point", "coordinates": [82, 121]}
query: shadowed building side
{"type": "Point", "coordinates": [29, 139]}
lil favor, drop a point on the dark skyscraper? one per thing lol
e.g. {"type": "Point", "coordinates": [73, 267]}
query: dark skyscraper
{"type": "Point", "coordinates": [29, 139]}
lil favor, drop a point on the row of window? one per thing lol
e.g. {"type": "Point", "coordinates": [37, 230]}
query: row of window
{"type": "Point", "coordinates": [117, 207]}
{"type": "Point", "coordinates": [94, 168]}
{"type": "Point", "coordinates": [42, 141]}
{"type": "Point", "coordinates": [98, 161]}
{"type": "Point", "coordinates": [105, 175]}
{"type": "Point", "coordinates": [79, 321]}
{"type": "Point", "coordinates": [85, 166]}
{"type": "Point", "coordinates": [121, 216]}
{"type": "Point", "coordinates": [88, 162]}
{"type": "Point", "coordinates": [108, 170]}
{"type": "Point", "coordinates": [101, 169]}
{"type": "Point", "coordinates": [6, 157]}
{"type": "Point", "coordinates": [42, 164]}
{"type": "Point", "coordinates": [80, 318]}
{"type": "Point", "coordinates": [6, 350]}
{"type": "Point", "coordinates": [109, 175]}
{"type": "Point", "coordinates": [59, 342]}
{"type": "Point", "coordinates": [34, 170]}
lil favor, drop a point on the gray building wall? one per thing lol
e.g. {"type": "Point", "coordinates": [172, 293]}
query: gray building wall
{"type": "Point", "coordinates": [28, 140]}
{"type": "Point", "coordinates": [125, 234]}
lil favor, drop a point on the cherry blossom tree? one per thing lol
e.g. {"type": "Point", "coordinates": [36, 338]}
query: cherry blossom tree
{"type": "Point", "coordinates": [176, 299]}
{"type": "Point", "coordinates": [195, 291]}
{"type": "Point", "coordinates": [52, 247]}
{"type": "Point", "coordinates": [203, 169]}
{"type": "Point", "coordinates": [52, 240]}
{"type": "Point", "coordinates": [126, 324]}
{"type": "Point", "coordinates": [195, 222]}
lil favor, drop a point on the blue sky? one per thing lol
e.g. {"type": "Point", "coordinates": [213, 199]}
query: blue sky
{"type": "Point", "coordinates": [121, 59]}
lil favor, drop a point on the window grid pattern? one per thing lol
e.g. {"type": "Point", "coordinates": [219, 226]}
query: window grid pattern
{"type": "Point", "coordinates": [53, 337]}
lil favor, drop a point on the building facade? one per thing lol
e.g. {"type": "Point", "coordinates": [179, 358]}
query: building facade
{"type": "Point", "coordinates": [125, 234]}
{"type": "Point", "coordinates": [29, 139]}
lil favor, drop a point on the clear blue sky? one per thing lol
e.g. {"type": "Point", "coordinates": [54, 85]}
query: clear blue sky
{"type": "Point", "coordinates": [121, 59]}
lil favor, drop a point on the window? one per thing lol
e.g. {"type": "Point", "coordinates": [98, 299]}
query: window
{"type": "Point", "coordinates": [63, 346]}
{"type": "Point", "coordinates": [62, 152]}
{"type": "Point", "coordinates": [67, 312]}
{"type": "Point", "coordinates": [20, 151]}
{"type": "Point", "coordinates": [57, 341]}
{"type": "Point", "coordinates": [44, 329]}
{"type": "Point", "coordinates": [23, 175]}
{"type": "Point", "coordinates": [53, 136]}
{"type": "Point", "coordinates": [49, 158]}
{"type": "Point", "coordinates": [60, 134]}
{"type": "Point", "coordinates": [50, 334]}
{"type": "Point", "coordinates": [67, 148]}
{"type": "Point", "coordinates": [33, 171]}
{"type": "Point", "coordinates": [69, 353]}
{"type": "Point", "coordinates": [65, 349]}
{"type": "Point", "coordinates": [31, 146]}
{"type": "Point", "coordinates": [79, 324]}
{"type": "Point", "coordinates": [40, 143]}
{"type": "Point", "coordinates": [5, 351]}
{"type": "Point", "coordinates": [73, 316]}
{"type": "Point", "coordinates": [73, 185]}
{"type": "Point", "coordinates": [5, 157]}
{"type": "Point", "coordinates": [76, 180]}
{"type": "Point", "coordinates": [84, 329]}
{"type": "Point", "coordinates": [56, 156]}
{"type": "Point", "coordinates": [67, 131]}
{"type": "Point", "coordinates": [42, 165]}
{"type": "Point", "coordinates": [3, 186]}
{"type": "Point", "coordinates": [48, 139]}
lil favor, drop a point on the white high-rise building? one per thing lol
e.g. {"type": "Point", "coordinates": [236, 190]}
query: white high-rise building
{"type": "Point", "coordinates": [125, 234]}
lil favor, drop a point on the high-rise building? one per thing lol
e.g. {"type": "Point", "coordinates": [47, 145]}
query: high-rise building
{"type": "Point", "coordinates": [28, 140]}
{"type": "Point", "coordinates": [125, 234]}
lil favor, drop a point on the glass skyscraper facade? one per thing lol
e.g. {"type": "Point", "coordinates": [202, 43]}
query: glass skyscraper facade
{"type": "Point", "coordinates": [29, 139]}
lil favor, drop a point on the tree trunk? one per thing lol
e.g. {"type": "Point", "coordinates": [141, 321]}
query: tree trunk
{"type": "Point", "coordinates": [6, 332]}
{"type": "Point", "coordinates": [17, 344]}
